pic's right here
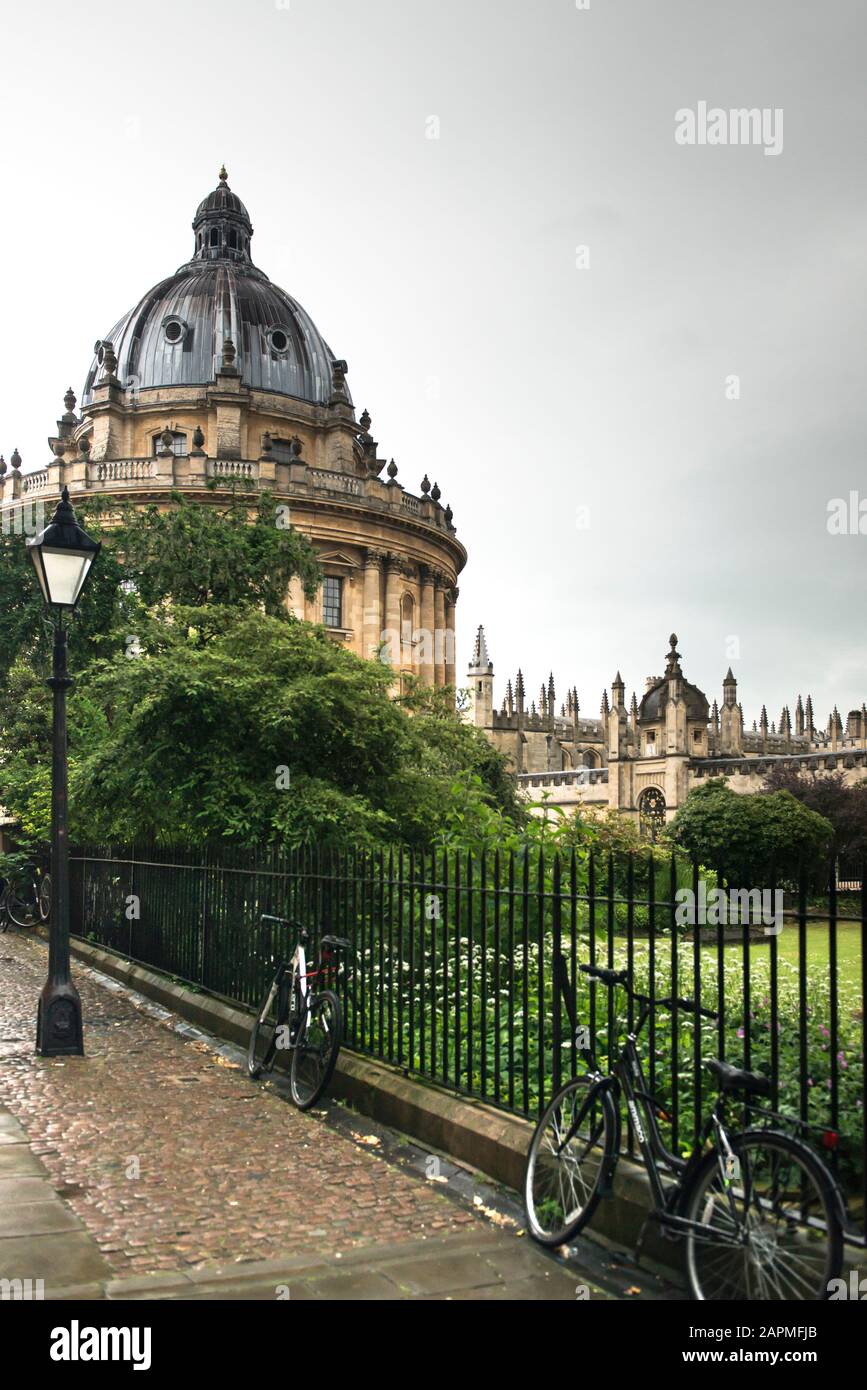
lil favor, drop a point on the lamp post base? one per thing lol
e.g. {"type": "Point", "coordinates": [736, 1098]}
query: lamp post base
{"type": "Point", "coordinates": [59, 1031]}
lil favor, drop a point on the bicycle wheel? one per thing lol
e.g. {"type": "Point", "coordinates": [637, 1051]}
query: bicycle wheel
{"type": "Point", "coordinates": [4, 915]}
{"type": "Point", "coordinates": [23, 911]}
{"type": "Point", "coordinates": [570, 1162]}
{"type": "Point", "coordinates": [272, 1015]}
{"type": "Point", "coordinates": [315, 1054]}
{"type": "Point", "coordinates": [45, 898]}
{"type": "Point", "coordinates": [772, 1226]}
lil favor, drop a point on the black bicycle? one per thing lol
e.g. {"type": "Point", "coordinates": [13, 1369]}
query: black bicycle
{"type": "Point", "coordinates": [760, 1215]}
{"type": "Point", "coordinates": [25, 897]}
{"type": "Point", "coordinates": [296, 1018]}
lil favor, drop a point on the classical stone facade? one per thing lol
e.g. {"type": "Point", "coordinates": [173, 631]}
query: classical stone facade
{"type": "Point", "coordinates": [643, 759]}
{"type": "Point", "coordinates": [217, 380]}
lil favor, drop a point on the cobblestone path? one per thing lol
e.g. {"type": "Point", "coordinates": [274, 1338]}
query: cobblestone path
{"type": "Point", "coordinates": [173, 1159]}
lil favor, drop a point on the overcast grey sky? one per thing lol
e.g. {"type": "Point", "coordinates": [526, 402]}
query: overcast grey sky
{"type": "Point", "coordinates": [576, 417]}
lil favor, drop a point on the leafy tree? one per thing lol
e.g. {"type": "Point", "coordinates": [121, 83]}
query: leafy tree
{"type": "Point", "coordinates": [202, 709]}
{"type": "Point", "coordinates": [231, 723]}
{"type": "Point", "coordinates": [25, 630]}
{"type": "Point", "coordinates": [829, 795]}
{"type": "Point", "coordinates": [241, 551]}
{"type": "Point", "coordinates": [748, 837]}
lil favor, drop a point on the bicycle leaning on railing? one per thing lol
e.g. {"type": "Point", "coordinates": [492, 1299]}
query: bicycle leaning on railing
{"type": "Point", "coordinates": [760, 1215]}
{"type": "Point", "coordinates": [25, 896]}
{"type": "Point", "coordinates": [297, 1018]}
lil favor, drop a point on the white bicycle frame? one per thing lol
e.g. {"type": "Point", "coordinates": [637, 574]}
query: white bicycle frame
{"type": "Point", "coordinates": [299, 973]}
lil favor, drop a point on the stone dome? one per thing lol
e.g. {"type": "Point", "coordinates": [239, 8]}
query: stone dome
{"type": "Point", "coordinates": [174, 336]}
{"type": "Point", "coordinates": [652, 707]}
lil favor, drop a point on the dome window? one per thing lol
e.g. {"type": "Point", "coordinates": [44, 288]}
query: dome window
{"type": "Point", "coordinates": [279, 340]}
{"type": "Point", "coordinates": [178, 446]}
{"type": "Point", "coordinates": [175, 330]}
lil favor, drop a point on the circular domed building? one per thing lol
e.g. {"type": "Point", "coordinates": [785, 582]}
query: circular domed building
{"type": "Point", "coordinates": [218, 376]}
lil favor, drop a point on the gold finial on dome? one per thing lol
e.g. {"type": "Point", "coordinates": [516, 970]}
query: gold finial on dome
{"type": "Point", "coordinates": [223, 175]}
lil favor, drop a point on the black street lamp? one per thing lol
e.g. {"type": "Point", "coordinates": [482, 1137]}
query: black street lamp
{"type": "Point", "coordinates": [62, 556]}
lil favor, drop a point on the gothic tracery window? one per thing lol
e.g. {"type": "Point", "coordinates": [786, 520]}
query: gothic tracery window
{"type": "Point", "coordinates": [651, 813]}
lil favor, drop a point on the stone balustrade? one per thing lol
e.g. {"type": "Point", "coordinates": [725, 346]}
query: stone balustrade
{"type": "Point", "coordinates": [35, 482]}
{"type": "Point", "coordinates": [567, 777]}
{"type": "Point", "coordinates": [87, 477]}
{"type": "Point", "coordinates": [121, 471]}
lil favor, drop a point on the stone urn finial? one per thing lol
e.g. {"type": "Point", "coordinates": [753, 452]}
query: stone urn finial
{"type": "Point", "coordinates": [84, 445]}
{"type": "Point", "coordinates": [229, 353]}
{"type": "Point", "coordinates": [449, 515]}
{"type": "Point", "coordinates": [3, 465]}
{"type": "Point", "coordinates": [166, 441]}
{"type": "Point", "coordinates": [435, 492]}
{"type": "Point", "coordinates": [198, 440]}
{"type": "Point", "coordinates": [109, 359]}
{"type": "Point", "coordinates": [267, 445]}
{"type": "Point", "coordinates": [392, 471]}
{"type": "Point", "coordinates": [15, 460]}
{"type": "Point", "coordinates": [425, 484]}
{"type": "Point", "coordinates": [69, 402]}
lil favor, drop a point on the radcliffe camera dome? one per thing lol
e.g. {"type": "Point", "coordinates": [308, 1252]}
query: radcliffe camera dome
{"type": "Point", "coordinates": [174, 336]}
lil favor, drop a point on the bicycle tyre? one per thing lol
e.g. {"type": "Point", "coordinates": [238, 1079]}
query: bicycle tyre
{"type": "Point", "coordinates": [44, 898]}
{"type": "Point", "coordinates": [315, 1057]}
{"type": "Point", "coordinates": [794, 1262]}
{"type": "Point", "coordinates": [23, 913]}
{"type": "Point", "coordinates": [272, 1014]}
{"type": "Point", "coordinates": [557, 1211]}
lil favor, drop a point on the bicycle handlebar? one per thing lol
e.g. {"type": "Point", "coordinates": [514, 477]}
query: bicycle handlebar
{"type": "Point", "coordinates": [284, 922]}
{"type": "Point", "coordinates": [621, 977]}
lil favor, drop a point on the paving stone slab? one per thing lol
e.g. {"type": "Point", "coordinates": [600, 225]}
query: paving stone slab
{"type": "Point", "coordinates": [69, 1257]}
{"type": "Point", "coordinates": [445, 1273]}
{"type": "Point", "coordinates": [14, 1190]}
{"type": "Point", "coordinates": [37, 1219]}
{"type": "Point", "coordinates": [16, 1161]}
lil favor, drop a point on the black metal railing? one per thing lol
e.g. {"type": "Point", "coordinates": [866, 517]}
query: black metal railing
{"type": "Point", "coordinates": [452, 972]}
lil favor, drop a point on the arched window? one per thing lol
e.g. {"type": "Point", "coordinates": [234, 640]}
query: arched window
{"type": "Point", "coordinates": [215, 236]}
{"type": "Point", "coordinates": [233, 240]}
{"type": "Point", "coordinates": [407, 623]}
{"type": "Point", "coordinates": [651, 813]}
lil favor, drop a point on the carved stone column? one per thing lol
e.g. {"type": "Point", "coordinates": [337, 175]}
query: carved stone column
{"type": "Point", "coordinates": [427, 624]}
{"type": "Point", "coordinates": [439, 629]}
{"type": "Point", "coordinates": [451, 673]}
{"type": "Point", "coordinates": [372, 616]}
{"type": "Point", "coordinates": [393, 573]}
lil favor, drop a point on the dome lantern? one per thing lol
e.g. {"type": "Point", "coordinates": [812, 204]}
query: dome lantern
{"type": "Point", "coordinates": [222, 226]}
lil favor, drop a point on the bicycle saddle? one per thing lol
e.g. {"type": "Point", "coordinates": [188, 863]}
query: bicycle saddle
{"type": "Point", "coordinates": [336, 943]}
{"type": "Point", "coordinates": [735, 1079]}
